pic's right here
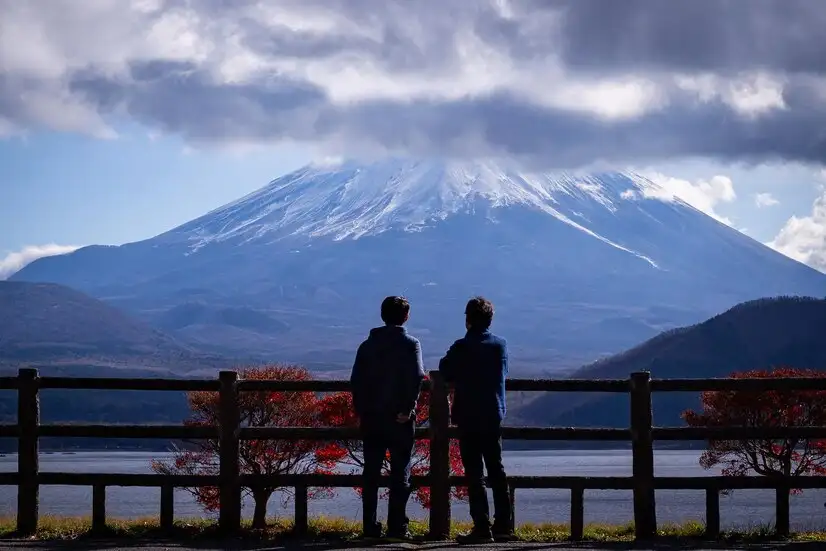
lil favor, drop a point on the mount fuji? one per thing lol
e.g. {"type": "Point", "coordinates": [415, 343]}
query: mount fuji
{"type": "Point", "coordinates": [579, 266]}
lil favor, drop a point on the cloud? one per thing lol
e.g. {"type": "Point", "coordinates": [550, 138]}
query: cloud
{"type": "Point", "coordinates": [15, 261]}
{"type": "Point", "coordinates": [762, 200]}
{"type": "Point", "coordinates": [651, 35]}
{"type": "Point", "coordinates": [555, 84]}
{"type": "Point", "coordinates": [804, 238]}
{"type": "Point", "coordinates": [704, 195]}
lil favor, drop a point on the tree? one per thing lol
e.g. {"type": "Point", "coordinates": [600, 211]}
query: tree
{"type": "Point", "coordinates": [337, 411]}
{"type": "Point", "coordinates": [257, 457]}
{"type": "Point", "coordinates": [780, 457]}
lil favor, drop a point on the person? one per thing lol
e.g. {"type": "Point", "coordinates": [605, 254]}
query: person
{"type": "Point", "coordinates": [386, 381]}
{"type": "Point", "coordinates": [477, 365]}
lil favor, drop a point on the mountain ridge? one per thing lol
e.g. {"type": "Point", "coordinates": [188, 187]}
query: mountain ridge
{"type": "Point", "coordinates": [759, 334]}
{"type": "Point", "coordinates": [561, 293]}
{"type": "Point", "coordinates": [53, 324]}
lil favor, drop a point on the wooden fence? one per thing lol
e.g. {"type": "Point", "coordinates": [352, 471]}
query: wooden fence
{"type": "Point", "coordinates": [230, 480]}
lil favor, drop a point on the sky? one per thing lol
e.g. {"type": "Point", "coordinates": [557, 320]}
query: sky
{"type": "Point", "coordinates": [121, 119]}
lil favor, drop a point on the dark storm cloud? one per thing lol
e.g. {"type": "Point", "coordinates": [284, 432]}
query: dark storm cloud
{"type": "Point", "coordinates": [716, 36]}
{"type": "Point", "coordinates": [183, 100]}
{"type": "Point", "coordinates": [192, 105]}
{"type": "Point", "coordinates": [546, 137]}
{"type": "Point", "coordinates": [546, 44]}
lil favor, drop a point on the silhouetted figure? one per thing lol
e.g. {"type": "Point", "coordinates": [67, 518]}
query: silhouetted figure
{"type": "Point", "coordinates": [477, 365]}
{"type": "Point", "coordinates": [386, 380]}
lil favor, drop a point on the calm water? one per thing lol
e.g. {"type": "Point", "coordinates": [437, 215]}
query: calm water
{"type": "Point", "coordinates": [742, 508]}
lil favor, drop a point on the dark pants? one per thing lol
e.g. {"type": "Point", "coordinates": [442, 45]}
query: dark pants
{"type": "Point", "coordinates": [381, 436]}
{"type": "Point", "coordinates": [483, 446]}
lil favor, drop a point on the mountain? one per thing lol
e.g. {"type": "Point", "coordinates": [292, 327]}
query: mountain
{"type": "Point", "coordinates": [761, 334]}
{"type": "Point", "coordinates": [44, 323]}
{"type": "Point", "coordinates": [580, 266]}
{"type": "Point", "coordinates": [63, 332]}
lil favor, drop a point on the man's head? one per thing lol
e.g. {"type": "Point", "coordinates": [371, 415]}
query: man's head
{"type": "Point", "coordinates": [478, 314]}
{"type": "Point", "coordinates": [395, 310]}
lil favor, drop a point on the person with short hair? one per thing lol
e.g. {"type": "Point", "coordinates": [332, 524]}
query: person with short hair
{"type": "Point", "coordinates": [477, 366]}
{"type": "Point", "coordinates": [386, 380]}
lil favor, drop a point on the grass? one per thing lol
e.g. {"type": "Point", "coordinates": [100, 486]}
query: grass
{"type": "Point", "coordinates": [323, 528]}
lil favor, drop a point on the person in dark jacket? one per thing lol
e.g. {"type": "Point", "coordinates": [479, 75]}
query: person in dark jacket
{"type": "Point", "coordinates": [386, 380]}
{"type": "Point", "coordinates": [477, 365]}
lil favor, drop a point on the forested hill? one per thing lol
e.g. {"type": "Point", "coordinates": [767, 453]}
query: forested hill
{"type": "Point", "coordinates": [760, 334]}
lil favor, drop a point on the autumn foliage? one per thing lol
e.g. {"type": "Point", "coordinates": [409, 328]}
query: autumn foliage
{"type": "Point", "coordinates": [337, 411]}
{"type": "Point", "coordinates": [274, 457]}
{"type": "Point", "coordinates": [782, 457]}
{"type": "Point", "coordinates": [257, 457]}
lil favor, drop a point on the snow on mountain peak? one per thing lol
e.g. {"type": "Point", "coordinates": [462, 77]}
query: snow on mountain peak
{"type": "Point", "coordinates": [348, 200]}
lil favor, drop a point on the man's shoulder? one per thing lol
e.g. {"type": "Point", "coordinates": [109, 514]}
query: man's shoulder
{"type": "Point", "coordinates": [409, 339]}
{"type": "Point", "coordinates": [498, 340]}
{"type": "Point", "coordinates": [460, 341]}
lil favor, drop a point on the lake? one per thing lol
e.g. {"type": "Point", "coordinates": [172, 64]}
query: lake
{"type": "Point", "coordinates": [743, 508]}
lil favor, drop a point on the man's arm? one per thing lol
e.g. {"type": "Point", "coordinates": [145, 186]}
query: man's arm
{"type": "Point", "coordinates": [449, 364]}
{"type": "Point", "coordinates": [357, 379]}
{"type": "Point", "coordinates": [504, 358]}
{"type": "Point", "coordinates": [412, 376]}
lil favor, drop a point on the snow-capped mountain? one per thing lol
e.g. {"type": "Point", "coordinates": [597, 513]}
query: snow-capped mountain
{"type": "Point", "coordinates": [578, 265]}
{"type": "Point", "coordinates": [349, 201]}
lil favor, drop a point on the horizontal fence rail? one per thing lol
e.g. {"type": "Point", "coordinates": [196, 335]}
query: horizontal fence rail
{"type": "Point", "coordinates": [230, 480]}
{"type": "Point", "coordinates": [152, 480]}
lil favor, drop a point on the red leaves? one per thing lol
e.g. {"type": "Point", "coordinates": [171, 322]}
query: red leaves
{"type": "Point", "coordinates": [337, 410]}
{"type": "Point", "coordinates": [257, 409]}
{"type": "Point", "coordinates": [329, 454]}
{"type": "Point", "coordinates": [289, 409]}
{"type": "Point", "coordinates": [787, 457]}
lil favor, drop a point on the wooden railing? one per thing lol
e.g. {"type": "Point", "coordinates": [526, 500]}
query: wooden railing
{"type": "Point", "coordinates": [230, 480]}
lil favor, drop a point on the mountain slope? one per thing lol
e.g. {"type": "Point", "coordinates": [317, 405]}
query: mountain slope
{"type": "Point", "coordinates": [759, 334]}
{"type": "Point", "coordinates": [48, 323]}
{"type": "Point", "coordinates": [580, 266]}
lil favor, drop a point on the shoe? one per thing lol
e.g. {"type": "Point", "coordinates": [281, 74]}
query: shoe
{"type": "Point", "coordinates": [502, 533]}
{"type": "Point", "coordinates": [475, 536]}
{"type": "Point", "coordinates": [373, 532]}
{"type": "Point", "coordinates": [502, 536]}
{"type": "Point", "coordinates": [399, 535]}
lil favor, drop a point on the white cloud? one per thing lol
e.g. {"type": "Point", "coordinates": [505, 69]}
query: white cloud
{"type": "Point", "coordinates": [704, 195]}
{"type": "Point", "coordinates": [804, 238]}
{"type": "Point", "coordinates": [762, 200]}
{"type": "Point", "coordinates": [750, 95]}
{"type": "Point", "coordinates": [15, 261]}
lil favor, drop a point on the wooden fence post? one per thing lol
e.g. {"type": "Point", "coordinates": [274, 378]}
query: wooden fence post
{"type": "Point", "coordinates": [167, 507]}
{"type": "Point", "coordinates": [713, 513]}
{"type": "Point", "coordinates": [229, 516]}
{"type": "Point", "coordinates": [28, 421]}
{"type": "Point", "coordinates": [302, 522]}
{"type": "Point", "coordinates": [645, 509]}
{"type": "Point", "coordinates": [98, 508]}
{"type": "Point", "coordinates": [439, 458]}
{"type": "Point", "coordinates": [781, 523]}
{"type": "Point", "coordinates": [577, 512]}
